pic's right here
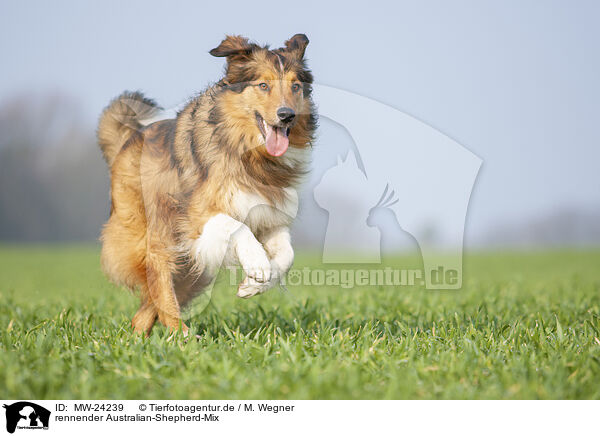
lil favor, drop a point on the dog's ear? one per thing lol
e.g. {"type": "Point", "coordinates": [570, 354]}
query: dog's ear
{"type": "Point", "coordinates": [233, 46]}
{"type": "Point", "coordinates": [297, 44]}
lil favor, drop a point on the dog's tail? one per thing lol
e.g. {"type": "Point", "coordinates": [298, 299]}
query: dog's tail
{"type": "Point", "coordinates": [121, 120]}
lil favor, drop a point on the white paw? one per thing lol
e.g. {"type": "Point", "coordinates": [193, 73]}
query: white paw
{"type": "Point", "coordinates": [253, 258]}
{"type": "Point", "coordinates": [258, 269]}
{"type": "Point", "coordinates": [250, 287]}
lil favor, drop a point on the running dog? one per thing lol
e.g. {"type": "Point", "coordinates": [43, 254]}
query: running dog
{"type": "Point", "coordinates": [214, 186]}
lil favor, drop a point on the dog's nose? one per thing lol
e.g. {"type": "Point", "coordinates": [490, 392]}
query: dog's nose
{"type": "Point", "coordinates": [286, 114]}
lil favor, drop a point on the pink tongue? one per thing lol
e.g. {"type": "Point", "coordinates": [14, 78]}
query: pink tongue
{"type": "Point", "coordinates": [277, 140]}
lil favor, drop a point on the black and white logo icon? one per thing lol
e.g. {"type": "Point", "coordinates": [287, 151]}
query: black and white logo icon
{"type": "Point", "coordinates": [26, 415]}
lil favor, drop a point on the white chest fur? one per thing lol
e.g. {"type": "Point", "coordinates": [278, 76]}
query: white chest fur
{"type": "Point", "coordinates": [258, 213]}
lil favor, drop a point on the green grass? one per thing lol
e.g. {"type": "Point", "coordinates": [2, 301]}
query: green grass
{"type": "Point", "coordinates": [523, 326]}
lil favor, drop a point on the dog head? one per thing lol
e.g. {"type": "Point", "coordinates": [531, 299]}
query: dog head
{"type": "Point", "coordinates": [268, 90]}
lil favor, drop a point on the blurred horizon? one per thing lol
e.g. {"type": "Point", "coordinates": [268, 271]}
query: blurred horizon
{"type": "Point", "coordinates": [514, 83]}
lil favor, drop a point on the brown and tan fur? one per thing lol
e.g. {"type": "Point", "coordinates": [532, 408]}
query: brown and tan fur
{"type": "Point", "coordinates": [170, 177]}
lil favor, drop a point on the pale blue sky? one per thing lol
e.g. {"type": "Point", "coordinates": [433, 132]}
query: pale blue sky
{"type": "Point", "coordinates": [515, 82]}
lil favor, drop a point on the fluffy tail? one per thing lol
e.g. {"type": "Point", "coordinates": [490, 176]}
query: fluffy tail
{"type": "Point", "coordinates": [121, 119]}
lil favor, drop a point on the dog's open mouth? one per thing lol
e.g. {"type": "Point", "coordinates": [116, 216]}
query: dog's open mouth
{"type": "Point", "coordinates": [276, 138]}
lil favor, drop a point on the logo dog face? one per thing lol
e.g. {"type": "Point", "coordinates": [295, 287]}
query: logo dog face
{"type": "Point", "coordinates": [270, 88]}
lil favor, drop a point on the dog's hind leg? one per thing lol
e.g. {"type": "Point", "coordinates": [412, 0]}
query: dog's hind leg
{"type": "Point", "coordinates": [159, 277]}
{"type": "Point", "coordinates": [123, 260]}
{"type": "Point", "coordinates": [145, 317]}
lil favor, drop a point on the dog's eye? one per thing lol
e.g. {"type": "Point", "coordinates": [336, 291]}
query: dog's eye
{"type": "Point", "coordinates": [296, 87]}
{"type": "Point", "coordinates": [263, 86]}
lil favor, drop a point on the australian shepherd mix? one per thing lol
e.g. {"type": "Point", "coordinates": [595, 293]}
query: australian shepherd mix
{"type": "Point", "coordinates": [214, 185]}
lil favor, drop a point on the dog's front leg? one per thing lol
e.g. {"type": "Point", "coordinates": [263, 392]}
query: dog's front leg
{"type": "Point", "coordinates": [225, 240]}
{"type": "Point", "coordinates": [279, 249]}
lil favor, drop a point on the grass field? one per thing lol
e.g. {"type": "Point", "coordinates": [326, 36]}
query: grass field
{"type": "Point", "coordinates": [523, 326]}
